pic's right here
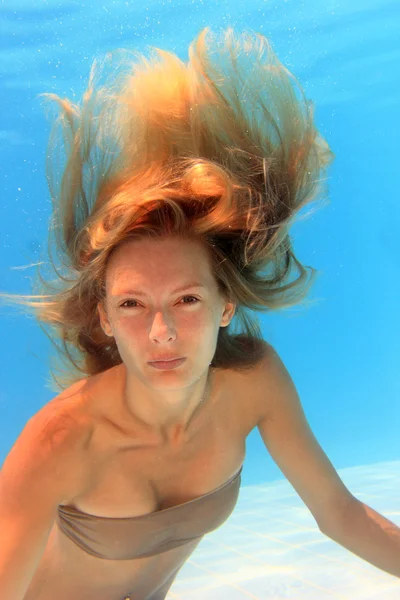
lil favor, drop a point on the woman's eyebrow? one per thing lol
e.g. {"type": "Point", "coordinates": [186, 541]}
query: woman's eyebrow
{"type": "Point", "coordinates": [180, 289]}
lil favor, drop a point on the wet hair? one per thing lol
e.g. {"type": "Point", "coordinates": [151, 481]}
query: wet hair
{"type": "Point", "coordinates": [222, 149]}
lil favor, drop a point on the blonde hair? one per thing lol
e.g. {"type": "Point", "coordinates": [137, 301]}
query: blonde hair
{"type": "Point", "coordinates": [222, 149]}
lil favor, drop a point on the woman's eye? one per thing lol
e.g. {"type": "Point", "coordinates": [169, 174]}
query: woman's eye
{"type": "Point", "coordinates": [192, 297]}
{"type": "Point", "coordinates": [126, 301]}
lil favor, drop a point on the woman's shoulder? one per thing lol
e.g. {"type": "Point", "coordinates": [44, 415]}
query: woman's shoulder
{"type": "Point", "coordinates": [77, 411]}
{"type": "Point", "coordinates": [62, 422]}
{"type": "Point", "coordinates": [52, 441]}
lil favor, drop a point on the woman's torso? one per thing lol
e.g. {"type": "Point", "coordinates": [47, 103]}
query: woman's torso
{"type": "Point", "coordinates": [132, 475]}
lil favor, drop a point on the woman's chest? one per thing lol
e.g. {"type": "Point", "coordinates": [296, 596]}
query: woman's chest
{"type": "Point", "coordinates": [138, 478]}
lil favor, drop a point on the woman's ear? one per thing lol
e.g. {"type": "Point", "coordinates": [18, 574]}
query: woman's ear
{"type": "Point", "coordinates": [228, 314]}
{"type": "Point", "coordinates": [104, 323]}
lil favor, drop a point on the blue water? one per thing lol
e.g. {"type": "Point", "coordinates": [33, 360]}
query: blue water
{"type": "Point", "coordinates": [342, 352]}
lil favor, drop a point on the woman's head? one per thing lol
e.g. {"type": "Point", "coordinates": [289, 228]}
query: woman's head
{"type": "Point", "coordinates": [162, 300]}
{"type": "Point", "coordinates": [216, 156]}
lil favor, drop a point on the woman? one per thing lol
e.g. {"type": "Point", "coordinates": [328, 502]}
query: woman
{"type": "Point", "coordinates": [171, 216]}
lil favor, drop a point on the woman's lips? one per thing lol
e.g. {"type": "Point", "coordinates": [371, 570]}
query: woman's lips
{"type": "Point", "coordinates": [167, 365]}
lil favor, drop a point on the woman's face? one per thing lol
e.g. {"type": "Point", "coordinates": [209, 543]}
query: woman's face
{"type": "Point", "coordinates": [150, 317]}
